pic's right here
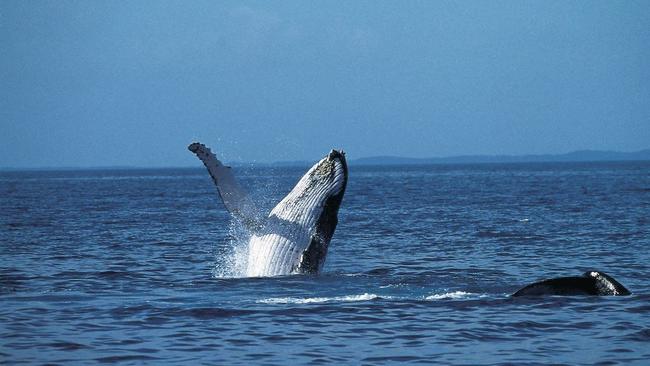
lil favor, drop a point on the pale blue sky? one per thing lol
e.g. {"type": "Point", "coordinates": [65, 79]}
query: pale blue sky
{"type": "Point", "coordinates": [96, 83]}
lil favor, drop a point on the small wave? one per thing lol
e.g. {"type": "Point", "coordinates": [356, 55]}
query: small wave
{"type": "Point", "coordinates": [316, 300]}
{"type": "Point", "coordinates": [451, 295]}
{"type": "Point", "coordinates": [394, 285]}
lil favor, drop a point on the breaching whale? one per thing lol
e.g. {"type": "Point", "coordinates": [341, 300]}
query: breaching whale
{"type": "Point", "coordinates": [295, 235]}
{"type": "Point", "coordinates": [590, 283]}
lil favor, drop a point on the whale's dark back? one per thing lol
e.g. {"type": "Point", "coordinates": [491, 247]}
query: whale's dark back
{"type": "Point", "coordinates": [594, 283]}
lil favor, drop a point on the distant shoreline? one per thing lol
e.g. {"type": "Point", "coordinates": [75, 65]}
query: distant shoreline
{"type": "Point", "coordinates": [582, 156]}
{"type": "Point", "coordinates": [572, 157]}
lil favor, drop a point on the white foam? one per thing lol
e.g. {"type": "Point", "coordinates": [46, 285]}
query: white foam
{"type": "Point", "coordinates": [317, 300]}
{"type": "Point", "coordinates": [451, 296]}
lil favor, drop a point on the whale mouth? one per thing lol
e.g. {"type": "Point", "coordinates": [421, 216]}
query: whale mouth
{"type": "Point", "coordinates": [331, 170]}
{"type": "Point", "coordinates": [335, 154]}
{"type": "Point", "coordinates": [341, 171]}
{"type": "Point", "coordinates": [336, 165]}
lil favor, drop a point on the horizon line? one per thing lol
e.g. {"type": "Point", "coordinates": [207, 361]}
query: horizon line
{"type": "Point", "coordinates": [443, 160]}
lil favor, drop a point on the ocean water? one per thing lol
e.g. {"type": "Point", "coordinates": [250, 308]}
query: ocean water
{"type": "Point", "coordinates": [140, 267]}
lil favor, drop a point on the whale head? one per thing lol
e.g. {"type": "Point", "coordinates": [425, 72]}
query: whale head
{"type": "Point", "coordinates": [316, 198]}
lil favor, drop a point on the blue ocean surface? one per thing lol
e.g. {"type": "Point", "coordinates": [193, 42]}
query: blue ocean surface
{"type": "Point", "coordinates": [140, 267]}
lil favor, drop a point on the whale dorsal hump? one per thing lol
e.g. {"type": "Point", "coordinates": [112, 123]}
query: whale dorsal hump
{"type": "Point", "coordinates": [560, 286]}
{"type": "Point", "coordinates": [590, 283]}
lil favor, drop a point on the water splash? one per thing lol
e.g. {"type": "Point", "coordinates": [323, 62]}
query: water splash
{"type": "Point", "coordinates": [231, 259]}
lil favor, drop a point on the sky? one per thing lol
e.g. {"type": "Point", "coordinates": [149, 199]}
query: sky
{"type": "Point", "coordinates": [132, 83]}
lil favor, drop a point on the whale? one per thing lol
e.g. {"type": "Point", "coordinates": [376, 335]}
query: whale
{"type": "Point", "coordinates": [294, 237]}
{"type": "Point", "coordinates": [594, 283]}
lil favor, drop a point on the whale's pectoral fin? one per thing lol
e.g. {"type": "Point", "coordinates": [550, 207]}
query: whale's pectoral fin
{"type": "Point", "coordinates": [236, 200]}
{"type": "Point", "coordinates": [312, 257]}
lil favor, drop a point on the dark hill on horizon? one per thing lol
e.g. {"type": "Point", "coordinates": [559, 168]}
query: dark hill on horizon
{"type": "Point", "coordinates": [575, 156]}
